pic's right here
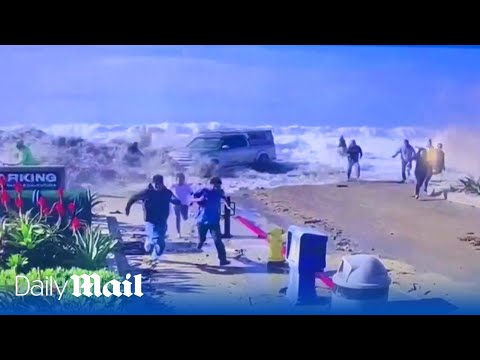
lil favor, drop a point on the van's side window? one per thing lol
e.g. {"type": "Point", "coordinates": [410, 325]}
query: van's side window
{"type": "Point", "coordinates": [235, 142]}
{"type": "Point", "coordinates": [260, 138]}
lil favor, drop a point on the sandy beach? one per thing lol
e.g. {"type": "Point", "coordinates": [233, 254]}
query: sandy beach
{"type": "Point", "coordinates": [429, 243]}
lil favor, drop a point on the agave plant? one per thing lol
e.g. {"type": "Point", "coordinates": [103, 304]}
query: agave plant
{"type": "Point", "coordinates": [16, 262]}
{"type": "Point", "coordinates": [93, 247]}
{"type": "Point", "coordinates": [469, 185]}
{"type": "Point", "coordinates": [3, 229]}
{"type": "Point", "coordinates": [26, 231]}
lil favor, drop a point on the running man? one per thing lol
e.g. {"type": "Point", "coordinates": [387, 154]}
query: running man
{"type": "Point", "coordinates": [423, 171]}
{"type": "Point", "coordinates": [183, 192]}
{"type": "Point", "coordinates": [354, 153]}
{"type": "Point", "coordinates": [407, 154]}
{"type": "Point", "coordinates": [209, 202]}
{"type": "Point", "coordinates": [156, 200]}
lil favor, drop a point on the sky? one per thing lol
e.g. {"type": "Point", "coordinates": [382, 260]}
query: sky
{"type": "Point", "coordinates": [378, 86]}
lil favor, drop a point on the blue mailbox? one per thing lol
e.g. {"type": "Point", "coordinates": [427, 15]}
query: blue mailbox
{"type": "Point", "coordinates": [306, 254]}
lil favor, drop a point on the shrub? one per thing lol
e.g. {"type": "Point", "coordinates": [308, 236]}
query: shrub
{"type": "Point", "coordinates": [45, 245]}
{"type": "Point", "coordinates": [469, 185]}
{"type": "Point", "coordinates": [92, 248]}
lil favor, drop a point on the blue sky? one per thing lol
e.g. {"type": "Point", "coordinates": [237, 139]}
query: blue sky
{"type": "Point", "coordinates": [281, 85]}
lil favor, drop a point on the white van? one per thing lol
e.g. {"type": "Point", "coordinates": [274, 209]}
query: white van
{"type": "Point", "coordinates": [228, 148]}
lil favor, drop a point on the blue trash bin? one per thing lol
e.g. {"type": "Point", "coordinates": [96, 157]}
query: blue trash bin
{"type": "Point", "coordinates": [306, 254]}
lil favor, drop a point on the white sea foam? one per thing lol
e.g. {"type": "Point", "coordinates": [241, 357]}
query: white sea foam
{"type": "Point", "coordinates": [307, 155]}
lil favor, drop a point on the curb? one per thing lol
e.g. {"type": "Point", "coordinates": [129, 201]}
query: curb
{"type": "Point", "coordinates": [121, 263]}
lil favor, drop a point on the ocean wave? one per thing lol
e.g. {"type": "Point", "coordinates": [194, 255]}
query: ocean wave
{"type": "Point", "coordinates": [309, 151]}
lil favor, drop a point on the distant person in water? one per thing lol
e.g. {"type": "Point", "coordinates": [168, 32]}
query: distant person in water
{"type": "Point", "coordinates": [209, 202]}
{"type": "Point", "coordinates": [354, 154]}
{"type": "Point", "coordinates": [183, 192]}
{"type": "Point", "coordinates": [26, 156]}
{"type": "Point", "coordinates": [423, 171]}
{"type": "Point", "coordinates": [134, 156]}
{"type": "Point", "coordinates": [439, 166]}
{"type": "Point", "coordinates": [342, 146]}
{"type": "Point", "coordinates": [156, 200]}
{"type": "Point", "coordinates": [407, 155]}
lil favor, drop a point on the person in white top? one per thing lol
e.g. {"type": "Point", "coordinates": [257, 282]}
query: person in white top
{"type": "Point", "coordinates": [183, 192]}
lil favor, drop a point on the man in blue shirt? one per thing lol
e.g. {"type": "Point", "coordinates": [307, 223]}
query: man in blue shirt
{"type": "Point", "coordinates": [407, 154]}
{"type": "Point", "coordinates": [209, 202]}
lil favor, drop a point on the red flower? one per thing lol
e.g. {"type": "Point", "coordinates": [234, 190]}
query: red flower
{"type": "Point", "coordinates": [42, 203]}
{"type": "Point", "coordinates": [76, 224]}
{"type": "Point", "coordinates": [45, 211]}
{"type": "Point", "coordinates": [19, 203]}
{"type": "Point", "coordinates": [60, 209]}
{"type": "Point", "coordinates": [60, 193]}
{"type": "Point", "coordinates": [4, 197]}
{"type": "Point", "coordinates": [71, 208]}
{"type": "Point", "coordinates": [3, 182]}
{"type": "Point", "coordinates": [18, 187]}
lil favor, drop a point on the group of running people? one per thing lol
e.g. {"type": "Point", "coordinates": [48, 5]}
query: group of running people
{"type": "Point", "coordinates": [429, 161]}
{"type": "Point", "coordinates": [157, 200]}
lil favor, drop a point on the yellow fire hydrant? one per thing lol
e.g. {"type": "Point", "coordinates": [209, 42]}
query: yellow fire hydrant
{"type": "Point", "coordinates": [275, 241]}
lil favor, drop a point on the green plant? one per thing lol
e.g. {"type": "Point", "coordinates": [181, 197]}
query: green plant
{"type": "Point", "coordinates": [94, 199]}
{"type": "Point", "coordinates": [92, 247]}
{"type": "Point", "coordinates": [31, 236]}
{"type": "Point", "coordinates": [469, 185]}
{"type": "Point", "coordinates": [17, 262]}
{"type": "Point", "coordinates": [26, 231]}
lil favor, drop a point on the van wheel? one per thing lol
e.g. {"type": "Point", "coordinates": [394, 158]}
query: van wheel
{"type": "Point", "coordinates": [263, 162]}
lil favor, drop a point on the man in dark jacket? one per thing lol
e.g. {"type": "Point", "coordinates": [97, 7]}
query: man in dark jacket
{"type": "Point", "coordinates": [354, 153]}
{"type": "Point", "coordinates": [439, 166]}
{"type": "Point", "coordinates": [423, 171]}
{"type": "Point", "coordinates": [156, 209]}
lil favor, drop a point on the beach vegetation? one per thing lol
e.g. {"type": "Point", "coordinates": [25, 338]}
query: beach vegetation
{"type": "Point", "coordinates": [49, 238]}
{"type": "Point", "coordinates": [469, 185]}
{"type": "Point", "coordinates": [93, 199]}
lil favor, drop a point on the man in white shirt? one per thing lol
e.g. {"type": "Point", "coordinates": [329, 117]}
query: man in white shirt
{"type": "Point", "coordinates": [183, 192]}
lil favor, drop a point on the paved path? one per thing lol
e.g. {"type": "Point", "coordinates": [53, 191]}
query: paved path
{"type": "Point", "coordinates": [185, 276]}
{"type": "Point", "coordinates": [190, 281]}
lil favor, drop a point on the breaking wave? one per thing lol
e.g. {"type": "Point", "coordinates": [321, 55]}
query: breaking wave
{"type": "Point", "coordinates": [93, 153]}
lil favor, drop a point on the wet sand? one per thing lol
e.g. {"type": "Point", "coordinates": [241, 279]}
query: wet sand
{"type": "Point", "coordinates": [431, 235]}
